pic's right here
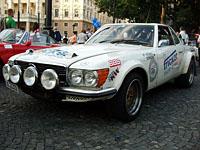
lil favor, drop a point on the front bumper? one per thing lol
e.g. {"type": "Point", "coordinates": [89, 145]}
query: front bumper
{"type": "Point", "coordinates": [80, 95]}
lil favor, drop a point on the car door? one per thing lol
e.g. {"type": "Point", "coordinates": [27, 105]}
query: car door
{"type": "Point", "coordinates": [168, 55]}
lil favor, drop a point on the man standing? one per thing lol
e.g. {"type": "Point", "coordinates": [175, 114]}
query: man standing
{"type": "Point", "coordinates": [82, 37]}
{"type": "Point", "coordinates": [184, 35]}
{"type": "Point", "coordinates": [10, 22]}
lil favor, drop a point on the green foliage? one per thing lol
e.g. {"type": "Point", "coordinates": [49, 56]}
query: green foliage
{"type": "Point", "coordinates": [185, 12]}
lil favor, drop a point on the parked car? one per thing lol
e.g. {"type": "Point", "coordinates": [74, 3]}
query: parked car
{"type": "Point", "coordinates": [15, 41]}
{"type": "Point", "coordinates": [120, 62]}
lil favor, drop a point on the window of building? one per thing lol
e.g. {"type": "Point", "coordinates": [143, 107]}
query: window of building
{"type": "Point", "coordinates": [76, 24]}
{"type": "Point", "coordinates": [65, 24]}
{"type": "Point", "coordinates": [56, 24]}
{"type": "Point", "coordinates": [56, 12]}
{"type": "Point", "coordinates": [66, 13]}
{"type": "Point", "coordinates": [76, 13]}
{"type": "Point", "coordinates": [84, 13]}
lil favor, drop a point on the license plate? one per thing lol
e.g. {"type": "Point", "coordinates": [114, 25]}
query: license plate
{"type": "Point", "coordinates": [12, 86]}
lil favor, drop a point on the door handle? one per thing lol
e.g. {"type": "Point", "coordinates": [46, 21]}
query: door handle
{"type": "Point", "coordinates": [180, 52]}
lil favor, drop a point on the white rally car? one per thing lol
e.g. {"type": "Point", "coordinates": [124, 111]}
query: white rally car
{"type": "Point", "coordinates": [119, 62]}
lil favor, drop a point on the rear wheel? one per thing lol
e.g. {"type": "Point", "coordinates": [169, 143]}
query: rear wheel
{"type": "Point", "coordinates": [186, 80]}
{"type": "Point", "coordinates": [127, 102]}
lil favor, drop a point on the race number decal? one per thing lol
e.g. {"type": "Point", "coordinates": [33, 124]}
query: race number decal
{"type": "Point", "coordinates": [8, 46]}
{"type": "Point", "coordinates": [114, 62]}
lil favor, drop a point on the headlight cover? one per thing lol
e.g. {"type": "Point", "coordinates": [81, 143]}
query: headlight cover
{"type": "Point", "coordinates": [15, 73]}
{"type": "Point", "coordinates": [49, 79]}
{"type": "Point", "coordinates": [30, 76]}
{"type": "Point", "coordinates": [90, 78]}
{"type": "Point", "coordinates": [76, 77]}
{"type": "Point", "coordinates": [6, 72]}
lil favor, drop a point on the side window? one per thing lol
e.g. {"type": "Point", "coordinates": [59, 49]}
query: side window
{"type": "Point", "coordinates": [39, 39]}
{"type": "Point", "coordinates": [25, 38]}
{"type": "Point", "coordinates": [164, 34]}
{"type": "Point", "coordinates": [176, 39]}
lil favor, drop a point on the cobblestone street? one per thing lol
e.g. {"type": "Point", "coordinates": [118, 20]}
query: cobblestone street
{"type": "Point", "coordinates": [169, 120]}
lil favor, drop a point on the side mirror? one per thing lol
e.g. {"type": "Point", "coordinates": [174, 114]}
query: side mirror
{"type": "Point", "coordinates": [28, 43]}
{"type": "Point", "coordinates": [162, 43]}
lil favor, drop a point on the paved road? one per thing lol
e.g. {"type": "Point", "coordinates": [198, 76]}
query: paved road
{"type": "Point", "coordinates": [169, 120]}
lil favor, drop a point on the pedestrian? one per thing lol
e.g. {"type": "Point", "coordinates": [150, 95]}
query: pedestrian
{"type": "Point", "coordinates": [88, 33]}
{"type": "Point", "coordinates": [82, 37]}
{"type": "Point", "coordinates": [8, 22]}
{"type": "Point", "coordinates": [184, 36]}
{"type": "Point", "coordinates": [73, 38]}
{"type": "Point", "coordinates": [36, 27]}
{"type": "Point", "coordinates": [57, 35]}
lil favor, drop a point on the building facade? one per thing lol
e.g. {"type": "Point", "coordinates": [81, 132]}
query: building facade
{"type": "Point", "coordinates": [75, 15]}
{"type": "Point", "coordinates": [67, 15]}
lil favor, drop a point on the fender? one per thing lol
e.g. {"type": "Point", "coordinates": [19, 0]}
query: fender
{"type": "Point", "coordinates": [126, 69]}
{"type": "Point", "coordinates": [188, 56]}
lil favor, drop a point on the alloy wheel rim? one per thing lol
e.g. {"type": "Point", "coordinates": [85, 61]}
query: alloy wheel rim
{"type": "Point", "coordinates": [134, 97]}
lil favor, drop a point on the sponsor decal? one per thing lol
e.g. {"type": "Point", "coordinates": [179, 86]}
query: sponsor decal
{"type": "Point", "coordinates": [8, 46]}
{"type": "Point", "coordinates": [153, 69]}
{"type": "Point", "coordinates": [170, 62]}
{"type": "Point", "coordinates": [114, 62]}
{"type": "Point", "coordinates": [56, 53]}
{"type": "Point", "coordinates": [113, 74]}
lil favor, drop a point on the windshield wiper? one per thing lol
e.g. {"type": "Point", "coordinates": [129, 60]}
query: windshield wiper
{"type": "Point", "coordinates": [103, 41]}
{"type": "Point", "coordinates": [130, 41]}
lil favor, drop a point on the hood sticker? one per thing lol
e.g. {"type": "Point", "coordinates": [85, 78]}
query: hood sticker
{"type": "Point", "coordinates": [114, 62]}
{"type": "Point", "coordinates": [57, 53]}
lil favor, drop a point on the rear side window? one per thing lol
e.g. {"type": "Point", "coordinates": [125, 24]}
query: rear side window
{"type": "Point", "coordinates": [165, 34]}
{"type": "Point", "coordinates": [176, 39]}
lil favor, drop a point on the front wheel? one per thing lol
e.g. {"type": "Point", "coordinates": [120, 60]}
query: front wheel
{"type": "Point", "coordinates": [127, 102]}
{"type": "Point", "coordinates": [186, 80]}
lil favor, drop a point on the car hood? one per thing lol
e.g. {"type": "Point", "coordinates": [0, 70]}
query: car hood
{"type": "Point", "coordinates": [67, 55]}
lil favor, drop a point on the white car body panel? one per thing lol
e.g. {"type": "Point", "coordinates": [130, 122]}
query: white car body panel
{"type": "Point", "coordinates": [160, 64]}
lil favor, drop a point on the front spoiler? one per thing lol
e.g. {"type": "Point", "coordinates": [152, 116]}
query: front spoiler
{"type": "Point", "coordinates": [80, 95]}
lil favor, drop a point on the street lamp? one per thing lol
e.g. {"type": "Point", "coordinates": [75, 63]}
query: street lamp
{"type": "Point", "coordinates": [38, 12]}
{"type": "Point", "coordinates": [18, 14]}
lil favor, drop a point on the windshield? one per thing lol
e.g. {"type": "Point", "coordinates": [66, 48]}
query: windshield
{"type": "Point", "coordinates": [11, 35]}
{"type": "Point", "coordinates": [127, 34]}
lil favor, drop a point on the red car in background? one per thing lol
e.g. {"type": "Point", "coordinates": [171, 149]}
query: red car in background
{"type": "Point", "coordinates": [15, 41]}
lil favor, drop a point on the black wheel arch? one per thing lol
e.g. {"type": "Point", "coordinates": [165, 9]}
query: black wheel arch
{"type": "Point", "coordinates": [143, 74]}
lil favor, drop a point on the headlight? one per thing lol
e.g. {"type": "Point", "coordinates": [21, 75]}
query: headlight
{"type": "Point", "coordinates": [76, 77]}
{"type": "Point", "coordinates": [30, 76]}
{"type": "Point", "coordinates": [6, 71]}
{"type": "Point", "coordinates": [49, 79]}
{"type": "Point", "coordinates": [15, 73]}
{"type": "Point", "coordinates": [91, 78]}
{"type": "Point", "coordinates": [88, 78]}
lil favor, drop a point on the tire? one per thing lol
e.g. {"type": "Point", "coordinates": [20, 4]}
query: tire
{"type": "Point", "coordinates": [186, 80]}
{"type": "Point", "coordinates": [127, 102]}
